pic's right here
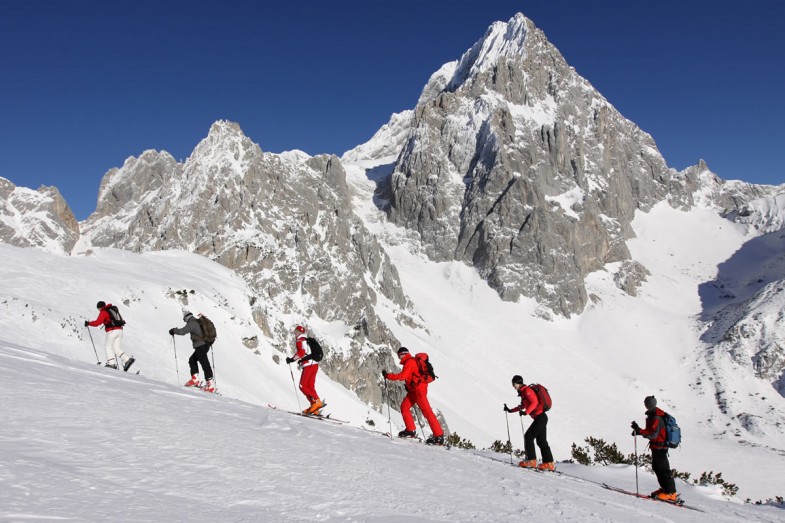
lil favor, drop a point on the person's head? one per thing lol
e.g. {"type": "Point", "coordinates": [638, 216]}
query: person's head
{"type": "Point", "coordinates": [650, 402]}
{"type": "Point", "coordinates": [403, 351]}
{"type": "Point", "coordinates": [517, 382]}
{"type": "Point", "coordinates": [100, 305]}
{"type": "Point", "coordinates": [299, 331]}
{"type": "Point", "coordinates": [187, 315]}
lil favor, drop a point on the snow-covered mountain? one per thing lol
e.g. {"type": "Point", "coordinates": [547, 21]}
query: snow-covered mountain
{"type": "Point", "coordinates": [39, 218]}
{"type": "Point", "coordinates": [513, 222]}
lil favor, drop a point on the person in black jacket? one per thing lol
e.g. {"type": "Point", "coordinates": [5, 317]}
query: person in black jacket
{"type": "Point", "coordinates": [201, 348]}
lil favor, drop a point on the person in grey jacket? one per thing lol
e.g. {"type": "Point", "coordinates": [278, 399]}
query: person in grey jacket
{"type": "Point", "coordinates": [201, 348]}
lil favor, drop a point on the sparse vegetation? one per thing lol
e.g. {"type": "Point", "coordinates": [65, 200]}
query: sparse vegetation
{"type": "Point", "coordinates": [454, 440]}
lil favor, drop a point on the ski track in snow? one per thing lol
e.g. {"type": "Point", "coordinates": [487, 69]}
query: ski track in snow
{"type": "Point", "coordinates": [84, 443]}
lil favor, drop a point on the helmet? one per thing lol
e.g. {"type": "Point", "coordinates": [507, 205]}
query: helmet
{"type": "Point", "coordinates": [299, 329]}
{"type": "Point", "coordinates": [650, 402]}
{"type": "Point", "coordinates": [517, 379]}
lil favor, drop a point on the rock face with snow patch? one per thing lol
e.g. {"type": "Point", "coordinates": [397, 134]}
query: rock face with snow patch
{"type": "Point", "coordinates": [40, 218]}
{"type": "Point", "coordinates": [518, 166]}
{"type": "Point", "coordinates": [283, 222]}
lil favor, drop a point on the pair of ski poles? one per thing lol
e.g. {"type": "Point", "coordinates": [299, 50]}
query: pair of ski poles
{"type": "Point", "coordinates": [509, 439]}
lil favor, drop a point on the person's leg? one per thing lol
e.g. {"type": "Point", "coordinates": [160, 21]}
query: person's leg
{"type": "Point", "coordinates": [406, 412]}
{"type": "Point", "coordinates": [542, 441]}
{"type": "Point", "coordinates": [421, 399]}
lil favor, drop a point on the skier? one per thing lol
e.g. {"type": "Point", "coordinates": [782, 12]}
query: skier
{"type": "Point", "coordinates": [537, 430]}
{"type": "Point", "coordinates": [201, 348]}
{"type": "Point", "coordinates": [657, 435]}
{"type": "Point", "coordinates": [416, 394]}
{"type": "Point", "coordinates": [114, 336]}
{"type": "Point", "coordinates": [308, 368]}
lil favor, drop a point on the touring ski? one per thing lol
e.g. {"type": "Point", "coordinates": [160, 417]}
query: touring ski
{"type": "Point", "coordinates": [678, 503]}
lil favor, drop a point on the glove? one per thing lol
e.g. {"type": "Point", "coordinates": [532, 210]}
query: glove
{"type": "Point", "coordinates": [289, 360]}
{"type": "Point", "coordinates": [522, 412]}
{"type": "Point", "coordinates": [171, 332]}
{"type": "Point", "coordinates": [506, 408]}
{"type": "Point", "coordinates": [87, 323]}
{"type": "Point", "coordinates": [384, 374]}
{"type": "Point", "coordinates": [635, 428]}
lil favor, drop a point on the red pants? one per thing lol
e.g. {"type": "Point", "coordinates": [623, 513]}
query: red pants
{"type": "Point", "coordinates": [419, 397]}
{"type": "Point", "coordinates": [308, 381]}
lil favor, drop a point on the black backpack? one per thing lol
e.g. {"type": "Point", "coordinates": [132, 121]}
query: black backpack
{"type": "Point", "coordinates": [316, 350]}
{"type": "Point", "coordinates": [208, 330]}
{"type": "Point", "coordinates": [115, 319]}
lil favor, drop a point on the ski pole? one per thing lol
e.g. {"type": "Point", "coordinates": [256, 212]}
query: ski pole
{"type": "Point", "coordinates": [98, 360]}
{"type": "Point", "coordinates": [389, 420]}
{"type": "Point", "coordinates": [509, 440]}
{"type": "Point", "coordinates": [635, 439]}
{"type": "Point", "coordinates": [295, 387]}
{"type": "Point", "coordinates": [176, 367]}
{"type": "Point", "coordinates": [215, 374]}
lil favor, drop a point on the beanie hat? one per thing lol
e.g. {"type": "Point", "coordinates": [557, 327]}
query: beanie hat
{"type": "Point", "coordinates": [517, 379]}
{"type": "Point", "coordinates": [100, 305]}
{"type": "Point", "coordinates": [402, 351]}
{"type": "Point", "coordinates": [650, 402]}
{"type": "Point", "coordinates": [299, 329]}
{"type": "Point", "coordinates": [186, 315]}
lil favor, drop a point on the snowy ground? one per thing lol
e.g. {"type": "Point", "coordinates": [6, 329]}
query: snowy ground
{"type": "Point", "coordinates": [82, 443]}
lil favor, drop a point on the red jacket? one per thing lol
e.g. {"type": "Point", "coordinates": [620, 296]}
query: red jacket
{"type": "Point", "coordinates": [655, 429]}
{"type": "Point", "coordinates": [104, 319]}
{"type": "Point", "coordinates": [529, 402]}
{"type": "Point", "coordinates": [410, 373]}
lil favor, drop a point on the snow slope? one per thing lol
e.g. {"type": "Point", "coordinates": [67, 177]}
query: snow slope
{"type": "Point", "coordinates": [84, 443]}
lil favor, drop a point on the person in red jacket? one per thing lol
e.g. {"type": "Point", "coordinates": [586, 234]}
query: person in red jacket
{"type": "Point", "coordinates": [416, 394]}
{"type": "Point", "coordinates": [114, 336]}
{"type": "Point", "coordinates": [537, 430]}
{"type": "Point", "coordinates": [308, 368]}
{"type": "Point", "coordinates": [657, 435]}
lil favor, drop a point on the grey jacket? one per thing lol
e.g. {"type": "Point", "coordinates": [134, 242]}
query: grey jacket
{"type": "Point", "coordinates": [193, 328]}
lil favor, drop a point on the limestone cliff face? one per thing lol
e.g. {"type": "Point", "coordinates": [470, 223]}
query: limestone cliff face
{"type": "Point", "coordinates": [518, 166]}
{"type": "Point", "coordinates": [40, 218]}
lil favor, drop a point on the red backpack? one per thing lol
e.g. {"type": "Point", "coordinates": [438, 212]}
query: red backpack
{"type": "Point", "coordinates": [543, 396]}
{"type": "Point", "coordinates": [424, 367]}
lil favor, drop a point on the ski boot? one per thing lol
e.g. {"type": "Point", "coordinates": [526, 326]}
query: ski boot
{"type": "Point", "coordinates": [110, 365]}
{"type": "Point", "coordinates": [407, 434]}
{"type": "Point", "coordinates": [528, 464]}
{"type": "Point", "coordinates": [316, 408]}
{"type": "Point", "coordinates": [547, 466]}
{"type": "Point", "coordinates": [193, 382]}
{"type": "Point", "coordinates": [669, 498]}
{"type": "Point", "coordinates": [209, 386]}
{"type": "Point", "coordinates": [435, 440]}
{"type": "Point", "coordinates": [128, 363]}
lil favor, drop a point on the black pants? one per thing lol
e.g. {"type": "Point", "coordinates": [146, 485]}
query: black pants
{"type": "Point", "coordinates": [200, 355]}
{"type": "Point", "coordinates": [662, 468]}
{"type": "Point", "coordinates": [538, 431]}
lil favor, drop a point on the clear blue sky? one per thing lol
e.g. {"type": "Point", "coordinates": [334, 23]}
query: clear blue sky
{"type": "Point", "coordinates": [85, 84]}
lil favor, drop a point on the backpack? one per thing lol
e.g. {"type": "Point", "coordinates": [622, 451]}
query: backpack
{"type": "Point", "coordinates": [208, 330]}
{"type": "Point", "coordinates": [115, 319]}
{"type": "Point", "coordinates": [424, 367]}
{"type": "Point", "coordinates": [672, 431]}
{"type": "Point", "coordinates": [543, 396]}
{"type": "Point", "coordinates": [316, 350]}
